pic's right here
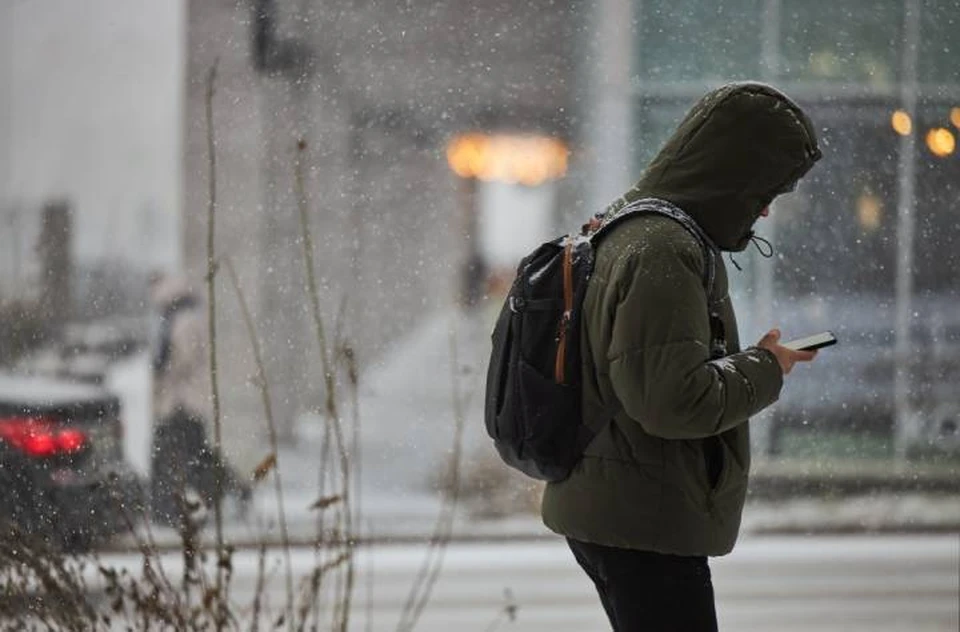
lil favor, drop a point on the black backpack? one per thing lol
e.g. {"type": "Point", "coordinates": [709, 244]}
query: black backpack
{"type": "Point", "coordinates": [532, 406]}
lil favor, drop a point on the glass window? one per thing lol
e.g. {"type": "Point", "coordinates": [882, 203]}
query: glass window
{"type": "Point", "coordinates": [841, 41]}
{"type": "Point", "coordinates": [688, 40]}
{"type": "Point", "coordinates": [834, 41]}
{"type": "Point", "coordinates": [939, 43]}
{"type": "Point", "coordinates": [837, 234]}
{"type": "Point", "coordinates": [937, 235]}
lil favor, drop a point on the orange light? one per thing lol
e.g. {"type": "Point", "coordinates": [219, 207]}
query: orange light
{"type": "Point", "coordinates": [941, 141]}
{"type": "Point", "coordinates": [869, 211]}
{"type": "Point", "coordinates": [466, 155]}
{"type": "Point", "coordinates": [901, 123]}
{"type": "Point", "coordinates": [529, 160]}
{"type": "Point", "coordinates": [955, 117]}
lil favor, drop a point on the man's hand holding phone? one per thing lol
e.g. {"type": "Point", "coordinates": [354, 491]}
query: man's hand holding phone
{"type": "Point", "coordinates": [786, 356]}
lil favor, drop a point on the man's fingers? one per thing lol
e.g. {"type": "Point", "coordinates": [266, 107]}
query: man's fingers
{"type": "Point", "coordinates": [804, 356]}
{"type": "Point", "coordinates": [771, 337]}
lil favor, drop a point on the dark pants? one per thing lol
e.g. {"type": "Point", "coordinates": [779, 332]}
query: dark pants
{"type": "Point", "coordinates": [643, 591]}
{"type": "Point", "coordinates": [182, 458]}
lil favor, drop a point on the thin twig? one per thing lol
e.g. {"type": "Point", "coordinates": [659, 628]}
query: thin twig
{"type": "Point", "coordinates": [148, 545]}
{"type": "Point", "coordinates": [320, 533]}
{"type": "Point", "coordinates": [312, 286]}
{"type": "Point", "coordinates": [429, 572]}
{"type": "Point", "coordinates": [307, 240]}
{"type": "Point", "coordinates": [212, 325]}
{"type": "Point", "coordinates": [271, 426]}
{"type": "Point", "coordinates": [42, 582]}
{"type": "Point", "coordinates": [353, 382]}
{"type": "Point", "coordinates": [370, 578]}
{"type": "Point", "coordinates": [258, 593]}
{"type": "Point", "coordinates": [348, 355]}
{"type": "Point", "coordinates": [333, 415]}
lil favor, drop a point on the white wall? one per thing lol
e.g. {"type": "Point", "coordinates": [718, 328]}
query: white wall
{"type": "Point", "coordinates": [513, 219]}
{"type": "Point", "coordinates": [90, 97]}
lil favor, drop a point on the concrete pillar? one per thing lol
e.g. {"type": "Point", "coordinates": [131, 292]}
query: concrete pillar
{"type": "Point", "coordinates": [54, 248]}
{"type": "Point", "coordinates": [762, 316]}
{"type": "Point", "coordinates": [905, 419]}
{"type": "Point", "coordinates": [609, 134]}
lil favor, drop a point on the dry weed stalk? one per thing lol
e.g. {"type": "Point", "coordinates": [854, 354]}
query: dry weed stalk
{"type": "Point", "coordinates": [344, 526]}
{"type": "Point", "coordinates": [263, 385]}
{"type": "Point", "coordinates": [212, 326]}
{"type": "Point", "coordinates": [429, 571]}
{"type": "Point", "coordinates": [45, 588]}
{"type": "Point", "coordinates": [39, 583]}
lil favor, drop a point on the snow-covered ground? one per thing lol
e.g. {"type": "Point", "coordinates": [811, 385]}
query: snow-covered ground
{"type": "Point", "coordinates": [406, 434]}
{"type": "Point", "coordinates": [852, 583]}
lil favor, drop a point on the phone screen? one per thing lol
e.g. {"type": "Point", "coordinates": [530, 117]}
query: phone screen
{"type": "Point", "coordinates": [810, 343]}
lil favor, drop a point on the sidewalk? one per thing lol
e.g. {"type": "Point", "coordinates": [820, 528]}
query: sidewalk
{"type": "Point", "coordinates": [784, 499]}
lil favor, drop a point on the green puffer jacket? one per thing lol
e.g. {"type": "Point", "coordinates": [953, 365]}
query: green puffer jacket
{"type": "Point", "coordinates": [668, 469]}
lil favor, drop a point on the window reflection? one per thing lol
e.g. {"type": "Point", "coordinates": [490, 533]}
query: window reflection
{"type": "Point", "coordinates": [690, 39]}
{"type": "Point", "coordinates": [841, 40]}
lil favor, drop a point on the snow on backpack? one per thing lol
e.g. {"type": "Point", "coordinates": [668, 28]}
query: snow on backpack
{"type": "Point", "coordinates": [532, 406]}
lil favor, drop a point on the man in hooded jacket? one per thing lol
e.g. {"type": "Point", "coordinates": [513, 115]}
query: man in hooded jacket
{"type": "Point", "coordinates": [665, 383]}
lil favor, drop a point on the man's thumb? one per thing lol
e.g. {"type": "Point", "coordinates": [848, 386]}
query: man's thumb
{"type": "Point", "coordinates": [772, 336]}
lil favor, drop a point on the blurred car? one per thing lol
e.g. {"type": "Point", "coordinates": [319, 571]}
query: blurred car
{"type": "Point", "coordinates": [63, 476]}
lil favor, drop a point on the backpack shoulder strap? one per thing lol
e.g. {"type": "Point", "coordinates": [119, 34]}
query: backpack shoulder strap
{"type": "Point", "coordinates": [718, 345]}
{"type": "Point", "coordinates": [662, 207]}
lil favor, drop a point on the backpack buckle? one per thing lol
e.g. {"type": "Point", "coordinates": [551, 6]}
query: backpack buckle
{"type": "Point", "coordinates": [517, 303]}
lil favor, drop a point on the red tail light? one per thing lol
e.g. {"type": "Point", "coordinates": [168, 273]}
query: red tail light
{"type": "Point", "coordinates": [41, 438]}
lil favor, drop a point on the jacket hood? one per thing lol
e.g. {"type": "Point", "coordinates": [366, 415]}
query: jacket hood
{"type": "Point", "coordinates": [738, 148]}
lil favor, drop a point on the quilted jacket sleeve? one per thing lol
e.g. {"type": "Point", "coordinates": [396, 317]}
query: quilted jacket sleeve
{"type": "Point", "coordinates": [660, 365]}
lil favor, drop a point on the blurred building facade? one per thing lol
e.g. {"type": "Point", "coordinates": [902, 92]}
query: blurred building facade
{"type": "Point", "coordinates": [376, 92]}
{"type": "Point", "coordinates": [380, 93]}
{"type": "Point", "coordinates": [89, 117]}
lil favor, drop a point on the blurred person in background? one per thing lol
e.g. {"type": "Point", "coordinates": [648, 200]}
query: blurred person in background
{"type": "Point", "coordinates": [183, 463]}
{"type": "Point", "coordinates": [665, 383]}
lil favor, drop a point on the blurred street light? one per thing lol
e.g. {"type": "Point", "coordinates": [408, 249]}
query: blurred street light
{"type": "Point", "coordinates": [901, 122]}
{"type": "Point", "coordinates": [520, 168]}
{"type": "Point", "coordinates": [869, 211]}
{"type": "Point", "coordinates": [941, 142]}
{"type": "Point", "coordinates": [529, 160]}
{"type": "Point", "coordinates": [955, 117]}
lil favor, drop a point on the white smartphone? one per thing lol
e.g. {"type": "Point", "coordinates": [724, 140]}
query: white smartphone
{"type": "Point", "coordinates": [816, 341]}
